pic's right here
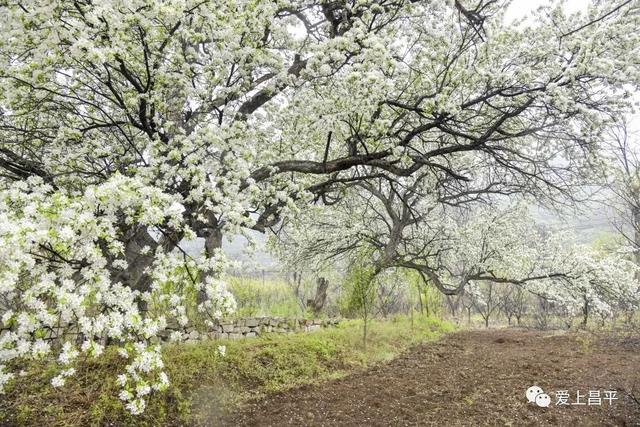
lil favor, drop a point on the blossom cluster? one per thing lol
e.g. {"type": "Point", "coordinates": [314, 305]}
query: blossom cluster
{"type": "Point", "coordinates": [59, 291]}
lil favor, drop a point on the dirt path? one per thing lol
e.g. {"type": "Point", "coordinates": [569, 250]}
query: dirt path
{"type": "Point", "coordinates": [473, 378]}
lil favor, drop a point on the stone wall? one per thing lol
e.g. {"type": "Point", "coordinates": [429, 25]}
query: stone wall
{"type": "Point", "coordinates": [254, 326]}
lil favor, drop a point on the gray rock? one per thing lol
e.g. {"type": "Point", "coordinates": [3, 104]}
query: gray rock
{"type": "Point", "coordinates": [173, 324]}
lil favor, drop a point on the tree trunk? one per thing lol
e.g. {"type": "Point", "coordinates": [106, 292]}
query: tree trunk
{"type": "Point", "coordinates": [364, 332]}
{"type": "Point", "coordinates": [317, 304]}
{"type": "Point", "coordinates": [452, 307]}
{"type": "Point", "coordinates": [636, 238]}
{"type": "Point", "coordinates": [212, 241]}
{"type": "Point", "coordinates": [585, 313]}
{"type": "Point", "coordinates": [412, 325]}
{"type": "Point", "coordinates": [135, 275]}
{"type": "Point", "coordinates": [297, 285]}
{"type": "Point", "coordinates": [420, 299]}
{"type": "Point", "coordinates": [427, 309]}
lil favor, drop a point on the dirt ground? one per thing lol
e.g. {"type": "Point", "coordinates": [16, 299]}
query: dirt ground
{"type": "Point", "coordinates": [472, 378]}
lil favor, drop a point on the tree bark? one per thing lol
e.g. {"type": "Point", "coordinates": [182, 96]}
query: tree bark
{"type": "Point", "coordinates": [317, 304]}
{"type": "Point", "coordinates": [585, 313]}
{"type": "Point", "coordinates": [212, 241]}
{"type": "Point", "coordinates": [636, 236]}
{"type": "Point", "coordinates": [420, 299]}
{"type": "Point", "coordinates": [135, 276]}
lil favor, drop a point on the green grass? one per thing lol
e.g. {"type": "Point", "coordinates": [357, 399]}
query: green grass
{"type": "Point", "coordinates": [205, 385]}
{"type": "Point", "coordinates": [271, 297]}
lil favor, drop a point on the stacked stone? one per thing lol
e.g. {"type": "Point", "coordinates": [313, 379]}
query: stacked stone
{"type": "Point", "coordinates": [253, 326]}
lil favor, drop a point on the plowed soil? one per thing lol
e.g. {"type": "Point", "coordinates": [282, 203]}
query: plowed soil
{"type": "Point", "coordinates": [473, 378]}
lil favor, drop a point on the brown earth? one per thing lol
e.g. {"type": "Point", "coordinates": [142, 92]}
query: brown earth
{"type": "Point", "coordinates": [472, 378]}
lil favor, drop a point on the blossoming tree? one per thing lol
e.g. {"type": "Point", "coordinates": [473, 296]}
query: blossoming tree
{"type": "Point", "coordinates": [127, 127]}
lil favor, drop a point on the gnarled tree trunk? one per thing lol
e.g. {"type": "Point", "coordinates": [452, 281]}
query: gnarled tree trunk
{"type": "Point", "coordinates": [317, 304]}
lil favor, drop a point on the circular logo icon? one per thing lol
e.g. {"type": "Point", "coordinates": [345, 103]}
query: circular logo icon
{"type": "Point", "coordinates": [543, 400]}
{"type": "Point", "coordinates": [532, 392]}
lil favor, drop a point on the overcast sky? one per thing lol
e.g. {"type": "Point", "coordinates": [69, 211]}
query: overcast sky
{"type": "Point", "coordinates": [520, 8]}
